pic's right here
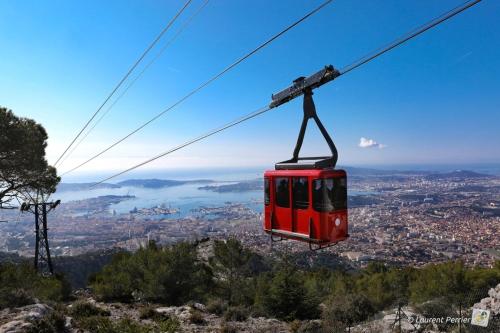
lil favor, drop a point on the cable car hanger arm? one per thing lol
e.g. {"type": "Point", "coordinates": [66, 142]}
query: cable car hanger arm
{"type": "Point", "coordinates": [304, 86]}
{"type": "Point", "coordinates": [320, 162]}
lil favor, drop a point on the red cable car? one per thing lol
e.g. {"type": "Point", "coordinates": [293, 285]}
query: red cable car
{"type": "Point", "coordinates": [306, 197]}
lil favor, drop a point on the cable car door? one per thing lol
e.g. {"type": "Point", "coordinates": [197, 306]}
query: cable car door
{"type": "Point", "coordinates": [282, 206]}
{"type": "Point", "coordinates": [300, 205]}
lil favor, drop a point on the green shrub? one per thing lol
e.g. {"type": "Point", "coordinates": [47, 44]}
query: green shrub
{"type": "Point", "coordinates": [227, 328]}
{"type": "Point", "coordinates": [168, 325]}
{"type": "Point", "coordinates": [438, 308]}
{"type": "Point", "coordinates": [131, 326]}
{"type": "Point", "coordinates": [233, 265]}
{"type": "Point", "coordinates": [257, 311]}
{"type": "Point", "coordinates": [196, 317]}
{"type": "Point", "coordinates": [236, 313]}
{"type": "Point", "coordinates": [165, 323]}
{"type": "Point", "coordinates": [169, 275]}
{"type": "Point", "coordinates": [65, 286]}
{"type": "Point", "coordinates": [311, 326]}
{"type": "Point", "coordinates": [82, 309]}
{"type": "Point", "coordinates": [216, 306]}
{"type": "Point", "coordinates": [284, 296]}
{"type": "Point", "coordinates": [20, 285]}
{"type": "Point", "coordinates": [15, 298]}
{"type": "Point", "coordinates": [295, 325]}
{"type": "Point", "coordinates": [113, 286]}
{"type": "Point", "coordinates": [100, 324]}
{"type": "Point", "coordinates": [96, 324]}
{"type": "Point", "coordinates": [52, 323]}
{"type": "Point", "coordinates": [346, 310]}
{"type": "Point", "coordinates": [148, 312]}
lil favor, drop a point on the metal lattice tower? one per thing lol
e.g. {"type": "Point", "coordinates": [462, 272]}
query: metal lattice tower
{"type": "Point", "coordinates": [43, 260]}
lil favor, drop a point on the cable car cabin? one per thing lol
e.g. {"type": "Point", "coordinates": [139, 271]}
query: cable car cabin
{"type": "Point", "coordinates": [305, 197]}
{"type": "Point", "coordinates": [306, 205]}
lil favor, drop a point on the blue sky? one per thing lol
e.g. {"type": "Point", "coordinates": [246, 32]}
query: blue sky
{"type": "Point", "coordinates": [434, 100]}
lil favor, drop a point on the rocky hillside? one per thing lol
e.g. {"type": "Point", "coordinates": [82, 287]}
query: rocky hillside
{"type": "Point", "coordinates": [221, 286]}
{"type": "Point", "coordinates": [492, 302]}
{"type": "Point", "coordinates": [87, 315]}
{"type": "Point", "coordinates": [411, 318]}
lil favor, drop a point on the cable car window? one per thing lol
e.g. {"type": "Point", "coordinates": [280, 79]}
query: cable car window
{"type": "Point", "coordinates": [300, 192]}
{"type": "Point", "coordinates": [282, 192]}
{"type": "Point", "coordinates": [267, 191]}
{"type": "Point", "coordinates": [340, 193]}
{"type": "Point", "coordinates": [330, 194]}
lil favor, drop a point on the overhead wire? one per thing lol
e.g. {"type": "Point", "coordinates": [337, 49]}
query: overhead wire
{"type": "Point", "coordinates": [415, 32]}
{"type": "Point", "coordinates": [190, 142]}
{"type": "Point", "coordinates": [206, 83]}
{"type": "Point", "coordinates": [155, 41]}
{"type": "Point", "coordinates": [345, 70]}
{"type": "Point", "coordinates": [137, 77]}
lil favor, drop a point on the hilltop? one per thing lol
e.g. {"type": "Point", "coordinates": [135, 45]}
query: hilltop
{"type": "Point", "coordinates": [221, 286]}
{"type": "Point", "coordinates": [458, 175]}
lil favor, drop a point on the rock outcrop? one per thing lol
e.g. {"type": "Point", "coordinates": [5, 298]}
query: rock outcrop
{"type": "Point", "coordinates": [17, 320]}
{"type": "Point", "coordinates": [492, 302]}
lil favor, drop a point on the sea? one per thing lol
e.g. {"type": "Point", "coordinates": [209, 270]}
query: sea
{"type": "Point", "coordinates": [188, 197]}
{"type": "Point", "coordinates": [185, 197]}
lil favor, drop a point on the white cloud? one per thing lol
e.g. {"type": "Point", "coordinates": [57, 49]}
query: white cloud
{"type": "Point", "coordinates": [370, 143]}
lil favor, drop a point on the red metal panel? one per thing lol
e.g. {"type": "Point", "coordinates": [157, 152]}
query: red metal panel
{"type": "Point", "coordinates": [325, 227]}
{"type": "Point", "coordinates": [301, 221]}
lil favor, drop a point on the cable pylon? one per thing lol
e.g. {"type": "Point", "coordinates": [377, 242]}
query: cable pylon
{"type": "Point", "coordinates": [42, 260]}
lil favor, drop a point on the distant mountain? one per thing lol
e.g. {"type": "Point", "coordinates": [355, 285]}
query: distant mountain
{"type": "Point", "coordinates": [62, 187]}
{"type": "Point", "coordinates": [457, 174]}
{"type": "Point", "coordinates": [146, 183]}
{"type": "Point", "coordinates": [150, 183]}
{"type": "Point", "coordinates": [250, 185]}
{"type": "Point", "coordinates": [353, 171]}
{"type": "Point", "coordinates": [158, 183]}
{"type": "Point", "coordinates": [369, 172]}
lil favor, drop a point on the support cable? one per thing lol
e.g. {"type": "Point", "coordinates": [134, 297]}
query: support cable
{"type": "Point", "coordinates": [137, 77]}
{"type": "Point", "coordinates": [124, 78]}
{"type": "Point", "coordinates": [415, 32]}
{"type": "Point", "coordinates": [345, 70]}
{"type": "Point", "coordinates": [190, 142]}
{"type": "Point", "coordinates": [203, 85]}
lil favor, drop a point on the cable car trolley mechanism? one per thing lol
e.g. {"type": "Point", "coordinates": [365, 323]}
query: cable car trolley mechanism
{"type": "Point", "coordinates": [305, 198]}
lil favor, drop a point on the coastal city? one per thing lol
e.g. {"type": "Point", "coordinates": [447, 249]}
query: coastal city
{"type": "Point", "coordinates": [406, 218]}
{"type": "Point", "coordinates": [249, 166]}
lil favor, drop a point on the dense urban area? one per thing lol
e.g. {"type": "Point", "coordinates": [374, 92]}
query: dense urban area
{"type": "Point", "coordinates": [402, 218]}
